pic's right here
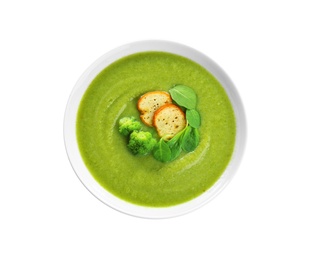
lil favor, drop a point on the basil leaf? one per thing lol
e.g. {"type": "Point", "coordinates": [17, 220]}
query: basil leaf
{"type": "Point", "coordinates": [184, 96]}
{"type": "Point", "coordinates": [175, 146]}
{"type": "Point", "coordinates": [175, 150]}
{"type": "Point", "coordinates": [190, 139]}
{"type": "Point", "coordinates": [162, 151]}
{"type": "Point", "coordinates": [193, 118]}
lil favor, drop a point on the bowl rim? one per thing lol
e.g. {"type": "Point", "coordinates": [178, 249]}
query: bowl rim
{"type": "Point", "coordinates": [72, 149]}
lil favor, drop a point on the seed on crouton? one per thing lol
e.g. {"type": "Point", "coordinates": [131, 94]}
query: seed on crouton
{"type": "Point", "coordinates": [169, 120]}
{"type": "Point", "coordinates": [149, 103]}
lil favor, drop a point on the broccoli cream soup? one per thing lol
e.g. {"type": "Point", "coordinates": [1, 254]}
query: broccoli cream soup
{"type": "Point", "coordinates": [142, 179]}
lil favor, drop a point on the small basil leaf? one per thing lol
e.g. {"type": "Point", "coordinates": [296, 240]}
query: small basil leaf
{"type": "Point", "coordinates": [162, 151]}
{"type": "Point", "coordinates": [184, 96]}
{"type": "Point", "coordinates": [190, 139]}
{"type": "Point", "coordinates": [175, 150]}
{"type": "Point", "coordinates": [193, 118]}
{"type": "Point", "coordinates": [175, 145]}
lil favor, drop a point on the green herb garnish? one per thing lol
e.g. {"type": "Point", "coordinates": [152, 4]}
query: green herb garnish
{"type": "Point", "coordinates": [184, 96]}
{"type": "Point", "coordinates": [162, 151]}
{"type": "Point", "coordinates": [175, 145]}
{"type": "Point", "coordinates": [190, 139]}
{"type": "Point", "coordinates": [193, 118]}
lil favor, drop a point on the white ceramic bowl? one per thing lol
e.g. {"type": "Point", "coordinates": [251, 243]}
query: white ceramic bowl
{"type": "Point", "coordinates": [70, 129]}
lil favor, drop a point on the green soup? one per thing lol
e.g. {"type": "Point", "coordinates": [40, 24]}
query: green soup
{"type": "Point", "coordinates": [143, 180]}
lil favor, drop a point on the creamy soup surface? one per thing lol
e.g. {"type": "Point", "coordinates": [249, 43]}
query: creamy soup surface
{"type": "Point", "coordinates": [143, 180]}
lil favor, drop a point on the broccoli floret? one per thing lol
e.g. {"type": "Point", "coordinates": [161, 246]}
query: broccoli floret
{"type": "Point", "coordinates": [128, 125]}
{"type": "Point", "coordinates": [141, 142]}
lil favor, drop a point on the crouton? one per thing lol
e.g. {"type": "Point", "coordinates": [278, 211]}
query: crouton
{"type": "Point", "coordinates": [169, 120]}
{"type": "Point", "coordinates": [150, 102]}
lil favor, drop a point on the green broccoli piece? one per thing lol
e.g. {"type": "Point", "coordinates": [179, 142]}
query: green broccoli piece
{"type": "Point", "coordinates": [128, 125]}
{"type": "Point", "coordinates": [141, 142]}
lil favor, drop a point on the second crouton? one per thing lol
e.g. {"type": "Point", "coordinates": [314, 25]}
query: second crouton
{"type": "Point", "coordinates": [169, 120]}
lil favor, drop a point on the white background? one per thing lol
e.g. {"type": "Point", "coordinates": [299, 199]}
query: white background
{"type": "Point", "coordinates": [268, 48]}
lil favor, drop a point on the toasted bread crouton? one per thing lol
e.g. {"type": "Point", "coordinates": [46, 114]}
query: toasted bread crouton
{"type": "Point", "coordinates": [150, 102]}
{"type": "Point", "coordinates": [169, 120]}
